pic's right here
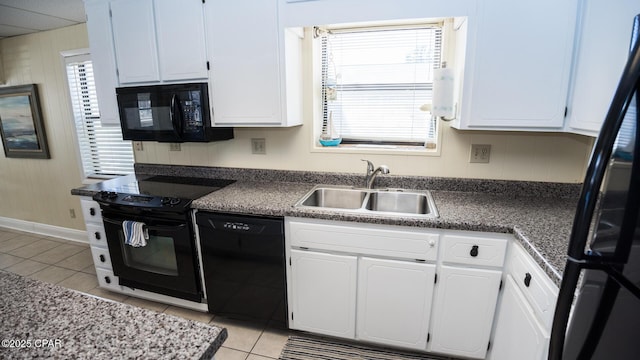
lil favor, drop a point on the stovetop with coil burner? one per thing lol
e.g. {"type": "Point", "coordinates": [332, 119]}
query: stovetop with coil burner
{"type": "Point", "coordinates": [168, 193]}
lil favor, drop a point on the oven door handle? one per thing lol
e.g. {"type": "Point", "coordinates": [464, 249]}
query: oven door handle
{"type": "Point", "coordinates": [176, 227]}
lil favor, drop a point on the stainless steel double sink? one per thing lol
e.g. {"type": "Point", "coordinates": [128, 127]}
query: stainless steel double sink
{"type": "Point", "coordinates": [390, 202]}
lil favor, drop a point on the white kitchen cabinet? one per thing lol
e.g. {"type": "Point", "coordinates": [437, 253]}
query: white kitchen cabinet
{"type": "Point", "coordinates": [463, 310]}
{"type": "Point", "coordinates": [256, 65]}
{"type": "Point", "coordinates": [182, 51]}
{"type": "Point", "coordinates": [103, 60]}
{"type": "Point", "coordinates": [159, 40]}
{"type": "Point", "coordinates": [518, 334]}
{"type": "Point", "coordinates": [518, 66]}
{"type": "Point", "coordinates": [602, 50]}
{"type": "Point", "coordinates": [134, 38]}
{"type": "Point", "coordinates": [323, 297]}
{"type": "Point", "coordinates": [394, 302]}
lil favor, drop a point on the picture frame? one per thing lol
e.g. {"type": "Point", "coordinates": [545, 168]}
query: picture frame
{"type": "Point", "coordinates": [21, 124]}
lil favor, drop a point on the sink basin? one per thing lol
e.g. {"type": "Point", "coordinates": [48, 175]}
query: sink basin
{"type": "Point", "coordinates": [399, 202]}
{"type": "Point", "coordinates": [337, 198]}
{"type": "Point", "coordinates": [388, 202]}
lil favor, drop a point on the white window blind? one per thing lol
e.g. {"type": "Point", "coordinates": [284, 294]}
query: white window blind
{"type": "Point", "coordinates": [102, 150]}
{"type": "Point", "coordinates": [376, 79]}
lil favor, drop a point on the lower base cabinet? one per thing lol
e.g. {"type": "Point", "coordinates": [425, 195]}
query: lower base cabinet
{"type": "Point", "coordinates": [465, 304]}
{"type": "Point", "coordinates": [324, 293]}
{"type": "Point", "coordinates": [518, 333]}
{"type": "Point", "coordinates": [394, 302]}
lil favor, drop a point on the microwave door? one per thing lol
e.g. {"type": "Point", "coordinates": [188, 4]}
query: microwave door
{"type": "Point", "coordinates": [175, 113]}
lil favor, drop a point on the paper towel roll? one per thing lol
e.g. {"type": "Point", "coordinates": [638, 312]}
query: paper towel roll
{"type": "Point", "coordinates": [443, 85]}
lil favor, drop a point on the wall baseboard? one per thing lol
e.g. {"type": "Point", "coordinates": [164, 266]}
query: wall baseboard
{"type": "Point", "coordinates": [45, 229]}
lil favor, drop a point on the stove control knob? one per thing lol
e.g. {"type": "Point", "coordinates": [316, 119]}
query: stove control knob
{"type": "Point", "coordinates": [174, 201]}
{"type": "Point", "coordinates": [165, 200]}
{"type": "Point", "coordinates": [112, 195]}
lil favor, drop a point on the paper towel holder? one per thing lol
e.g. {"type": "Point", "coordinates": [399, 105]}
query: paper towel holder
{"type": "Point", "coordinates": [427, 108]}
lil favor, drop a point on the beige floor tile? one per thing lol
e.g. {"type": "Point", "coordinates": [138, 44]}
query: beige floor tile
{"type": "Point", "coordinates": [106, 294]}
{"type": "Point", "coordinates": [146, 304]}
{"type": "Point", "coordinates": [271, 343]}
{"type": "Point", "coordinates": [78, 261]}
{"type": "Point", "coordinates": [80, 281]}
{"type": "Point", "coordinates": [52, 274]}
{"type": "Point", "coordinates": [7, 260]}
{"type": "Point", "coordinates": [6, 235]}
{"type": "Point", "coordinates": [242, 335]}
{"type": "Point", "coordinates": [34, 248]}
{"type": "Point", "coordinates": [253, 356]}
{"type": "Point", "coordinates": [189, 314]}
{"type": "Point", "coordinates": [58, 253]}
{"type": "Point", "coordinates": [225, 353]}
{"type": "Point", "coordinates": [26, 267]}
{"type": "Point", "coordinates": [91, 269]}
{"type": "Point", "coordinates": [17, 242]}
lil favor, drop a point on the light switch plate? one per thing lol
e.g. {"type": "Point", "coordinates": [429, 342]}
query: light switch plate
{"type": "Point", "coordinates": [480, 153]}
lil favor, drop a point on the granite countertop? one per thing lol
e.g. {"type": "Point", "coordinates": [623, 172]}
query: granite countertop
{"type": "Point", "coordinates": [79, 326]}
{"type": "Point", "coordinates": [540, 215]}
{"type": "Point", "coordinates": [542, 225]}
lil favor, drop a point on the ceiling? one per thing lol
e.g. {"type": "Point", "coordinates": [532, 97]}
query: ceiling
{"type": "Point", "coordinates": [19, 17]}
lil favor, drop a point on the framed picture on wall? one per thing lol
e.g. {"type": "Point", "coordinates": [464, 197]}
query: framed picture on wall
{"type": "Point", "coordinates": [21, 125]}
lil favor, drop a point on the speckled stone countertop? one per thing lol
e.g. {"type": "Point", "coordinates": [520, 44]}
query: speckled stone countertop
{"type": "Point", "coordinates": [78, 326]}
{"type": "Point", "coordinates": [539, 214]}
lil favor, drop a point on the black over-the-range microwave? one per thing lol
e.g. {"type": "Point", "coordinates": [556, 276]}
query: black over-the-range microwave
{"type": "Point", "coordinates": [168, 113]}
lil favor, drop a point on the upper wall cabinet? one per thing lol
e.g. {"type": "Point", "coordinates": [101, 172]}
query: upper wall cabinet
{"type": "Point", "coordinates": [518, 66]}
{"type": "Point", "coordinates": [104, 63]}
{"type": "Point", "coordinates": [256, 67]}
{"type": "Point", "coordinates": [603, 48]}
{"type": "Point", "coordinates": [158, 40]}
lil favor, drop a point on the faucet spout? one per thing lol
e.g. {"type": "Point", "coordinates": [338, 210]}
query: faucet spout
{"type": "Point", "coordinates": [372, 172]}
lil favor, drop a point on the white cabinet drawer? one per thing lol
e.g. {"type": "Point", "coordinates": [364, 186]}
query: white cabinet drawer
{"type": "Point", "coordinates": [366, 239]}
{"type": "Point", "coordinates": [96, 235]}
{"type": "Point", "coordinates": [90, 210]}
{"type": "Point", "coordinates": [473, 249]}
{"type": "Point", "coordinates": [107, 280]}
{"type": "Point", "coordinates": [535, 285]}
{"type": "Point", "coordinates": [101, 258]}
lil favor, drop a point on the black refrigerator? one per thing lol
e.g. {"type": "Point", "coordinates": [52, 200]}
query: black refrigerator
{"type": "Point", "coordinates": [597, 315]}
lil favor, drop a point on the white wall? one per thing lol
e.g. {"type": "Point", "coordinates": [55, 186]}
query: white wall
{"type": "Point", "coordinates": [38, 190]}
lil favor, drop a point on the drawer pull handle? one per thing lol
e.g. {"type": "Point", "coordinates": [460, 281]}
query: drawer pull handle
{"type": "Point", "coordinates": [97, 234]}
{"type": "Point", "coordinates": [102, 258]}
{"type": "Point", "coordinates": [527, 279]}
{"type": "Point", "coordinates": [107, 280]}
{"type": "Point", "coordinates": [474, 251]}
{"type": "Point", "coordinates": [92, 212]}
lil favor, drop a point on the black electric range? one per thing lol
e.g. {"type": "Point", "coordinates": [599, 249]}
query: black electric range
{"type": "Point", "coordinates": [162, 193]}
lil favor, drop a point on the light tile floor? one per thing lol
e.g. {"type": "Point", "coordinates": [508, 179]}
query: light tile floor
{"type": "Point", "coordinates": [69, 264]}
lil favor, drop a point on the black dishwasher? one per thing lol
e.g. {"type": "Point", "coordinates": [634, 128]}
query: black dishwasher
{"type": "Point", "coordinates": [244, 266]}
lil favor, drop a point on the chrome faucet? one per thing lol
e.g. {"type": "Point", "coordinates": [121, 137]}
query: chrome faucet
{"type": "Point", "coordinates": [372, 172]}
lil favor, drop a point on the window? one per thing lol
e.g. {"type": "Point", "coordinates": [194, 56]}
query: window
{"type": "Point", "coordinates": [102, 151]}
{"type": "Point", "coordinates": [375, 81]}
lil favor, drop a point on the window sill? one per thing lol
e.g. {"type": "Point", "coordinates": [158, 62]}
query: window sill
{"type": "Point", "coordinates": [376, 149]}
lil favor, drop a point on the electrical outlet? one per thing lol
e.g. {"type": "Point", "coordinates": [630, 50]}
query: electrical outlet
{"type": "Point", "coordinates": [72, 213]}
{"type": "Point", "coordinates": [258, 146]}
{"type": "Point", "coordinates": [480, 153]}
{"type": "Point", "coordinates": [174, 147]}
{"type": "Point", "coordinates": [137, 146]}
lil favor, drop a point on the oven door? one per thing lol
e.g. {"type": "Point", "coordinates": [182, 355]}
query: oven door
{"type": "Point", "coordinates": [166, 265]}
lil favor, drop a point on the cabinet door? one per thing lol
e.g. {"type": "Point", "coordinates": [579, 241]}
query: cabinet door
{"type": "Point", "coordinates": [521, 67]}
{"type": "Point", "coordinates": [180, 34]}
{"type": "Point", "coordinates": [135, 40]}
{"type": "Point", "coordinates": [103, 60]}
{"type": "Point", "coordinates": [323, 298]}
{"type": "Point", "coordinates": [394, 302]}
{"type": "Point", "coordinates": [518, 334]}
{"type": "Point", "coordinates": [245, 77]}
{"type": "Point", "coordinates": [603, 48]}
{"type": "Point", "coordinates": [463, 311]}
